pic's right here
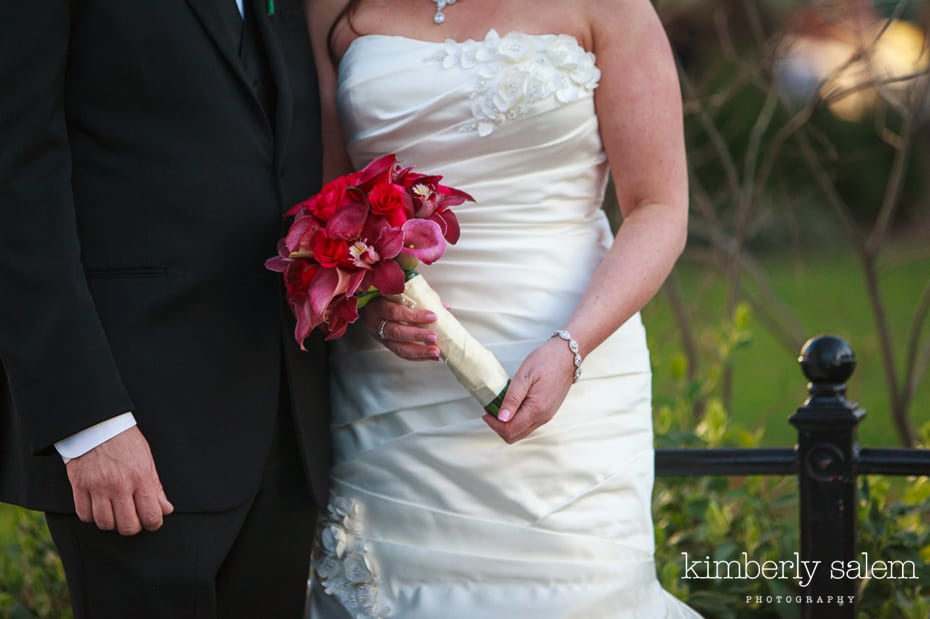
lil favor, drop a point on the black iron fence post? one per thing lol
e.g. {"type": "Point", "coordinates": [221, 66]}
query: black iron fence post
{"type": "Point", "coordinates": [827, 455]}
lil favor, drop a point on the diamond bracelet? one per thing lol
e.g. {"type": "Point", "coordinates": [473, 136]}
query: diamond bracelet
{"type": "Point", "coordinates": [572, 346]}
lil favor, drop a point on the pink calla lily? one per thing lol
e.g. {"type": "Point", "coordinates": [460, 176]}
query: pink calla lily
{"type": "Point", "coordinates": [307, 321]}
{"type": "Point", "coordinates": [300, 233]}
{"type": "Point", "coordinates": [278, 264]}
{"type": "Point", "coordinates": [322, 290]}
{"type": "Point", "coordinates": [423, 239]}
{"type": "Point", "coordinates": [327, 284]}
{"type": "Point", "coordinates": [348, 221]}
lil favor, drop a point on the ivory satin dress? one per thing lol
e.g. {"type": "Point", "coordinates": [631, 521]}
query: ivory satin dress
{"type": "Point", "coordinates": [433, 516]}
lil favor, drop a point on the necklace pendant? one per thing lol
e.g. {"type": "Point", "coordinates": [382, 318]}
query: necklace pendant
{"type": "Point", "coordinates": [440, 17]}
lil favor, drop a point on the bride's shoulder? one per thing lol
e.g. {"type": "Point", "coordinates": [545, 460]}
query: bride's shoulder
{"type": "Point", "coordinates": [621, 24]}
{"type": "Point", "coordinates": [321, 14]}
{"type": "Point", "coordinates": [328, 24]}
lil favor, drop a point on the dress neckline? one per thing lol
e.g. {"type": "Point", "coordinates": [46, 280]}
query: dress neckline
{"type": "Point", "coordinates": [450, 41]}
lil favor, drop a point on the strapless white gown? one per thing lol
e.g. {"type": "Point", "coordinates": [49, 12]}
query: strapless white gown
{"type": "Point", "coordinates": [433, 516]}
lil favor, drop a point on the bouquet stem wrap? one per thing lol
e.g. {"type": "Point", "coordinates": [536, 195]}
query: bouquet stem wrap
{"type": "Point", "coordinates": [473, 365]}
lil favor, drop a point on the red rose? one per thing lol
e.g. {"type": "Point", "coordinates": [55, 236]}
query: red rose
{"type": "Point", "coordinates": [330, 198]}
{"type": "Point", "coordinates": [329, 252]}
{"type": "Point", "coordinates": [391, 202]}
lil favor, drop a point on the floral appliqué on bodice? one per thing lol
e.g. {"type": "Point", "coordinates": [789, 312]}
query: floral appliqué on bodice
{"type": "Point", "coordinates": [517, 70]}
{"type": "Point", "coordinates": [341, 564]}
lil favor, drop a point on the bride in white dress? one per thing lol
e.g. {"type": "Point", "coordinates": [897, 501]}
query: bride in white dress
{"type": "Point", "coordinates": [438, 512]}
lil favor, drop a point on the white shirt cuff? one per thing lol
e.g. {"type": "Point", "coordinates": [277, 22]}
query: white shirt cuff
{"type": "Point", "coordinates": [81, 442]}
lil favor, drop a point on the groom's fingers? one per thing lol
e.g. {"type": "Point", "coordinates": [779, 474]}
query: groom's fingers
{"type": "Point", "coordinates": [163, 502]}
{"type": "Point", "coordinates": [82, 505]}
{"type": "Point", "coordinates": [118, 482]}
{"type": "Point", "coordinates": [147, 508]}
{"type": "Point", "coordinates": [127, 520]}
{"type": "Point", "coordinates": [103, 513]}
{"type": "Point", "coordinates": [152, 507]}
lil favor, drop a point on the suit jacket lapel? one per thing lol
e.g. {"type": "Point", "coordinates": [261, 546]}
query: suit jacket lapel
{"type": "Point", "coordinates": [216, 19]}
{"type": "Point", "coordinates": [278, 66]}
{"type": "Point", "coordinates": [214, 16]}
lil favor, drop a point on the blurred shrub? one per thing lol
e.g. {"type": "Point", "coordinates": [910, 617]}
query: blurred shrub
{"type": "Point", "coordinates": [738, 106]}
{"type": "Point", "coordinates": [721, 518]}
{"type": "Point", "coordinates": [32, 581]}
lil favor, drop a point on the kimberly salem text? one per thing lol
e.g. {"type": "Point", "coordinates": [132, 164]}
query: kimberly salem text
{"type": "Point", "coordinates": [802, 570]}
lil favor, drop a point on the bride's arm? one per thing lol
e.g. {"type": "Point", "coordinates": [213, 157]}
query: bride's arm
{"type": "Point", "coordinates": [404, 331]}
{"type": "Point", "coordinates": [640, 116]}
{"type": "Point", "coordinates": [320, 16]}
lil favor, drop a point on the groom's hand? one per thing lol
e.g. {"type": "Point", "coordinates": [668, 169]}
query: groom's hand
{"type": "Point", "coordinates": [116, 486]}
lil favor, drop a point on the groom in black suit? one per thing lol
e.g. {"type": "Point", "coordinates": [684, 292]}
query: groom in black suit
{"type": "Point", "coordinates": [148, 149]}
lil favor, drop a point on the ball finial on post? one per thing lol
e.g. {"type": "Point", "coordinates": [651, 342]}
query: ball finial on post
{"type": "Point", "coordinates": [827, 361]}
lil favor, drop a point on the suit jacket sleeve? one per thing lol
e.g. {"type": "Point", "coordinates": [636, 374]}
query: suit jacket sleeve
{"type": "Point", "coordinates": [53, 349]}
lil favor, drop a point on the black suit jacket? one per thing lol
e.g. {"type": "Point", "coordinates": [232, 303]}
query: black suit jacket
{"type": "Point", "coordinates": [142, 187]}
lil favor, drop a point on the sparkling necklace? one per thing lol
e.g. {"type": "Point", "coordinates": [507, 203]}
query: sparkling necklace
{"type": "Point", "coordinates": [440, 17]}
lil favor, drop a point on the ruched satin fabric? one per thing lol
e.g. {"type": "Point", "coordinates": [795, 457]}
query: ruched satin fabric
{"type": "Point", "coordinates": [452, 522]}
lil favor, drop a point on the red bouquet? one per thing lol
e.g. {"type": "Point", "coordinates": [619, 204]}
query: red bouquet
{"type": "Point", "coordinates": [362, 236]}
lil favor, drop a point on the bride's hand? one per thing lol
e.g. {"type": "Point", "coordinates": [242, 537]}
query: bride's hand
{"type": "Point", "coordinates": [535, 393]}
{"type": "Point", "coordinates": [402, 330]}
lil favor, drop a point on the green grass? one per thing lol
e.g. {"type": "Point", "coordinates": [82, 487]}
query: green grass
{"type": "Point", "coordinates": [827, 294]}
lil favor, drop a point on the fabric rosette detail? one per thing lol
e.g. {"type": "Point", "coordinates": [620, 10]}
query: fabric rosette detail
{"type": "Point", "coordinates": [517, 71]}
{"type": "Point", "coordinates": [340, 561]}
{"type": "Point", "coordinates": [363, 236]}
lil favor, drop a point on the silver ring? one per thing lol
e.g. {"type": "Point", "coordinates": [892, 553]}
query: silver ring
{"type": "Point", "coordinates": [381, 329]}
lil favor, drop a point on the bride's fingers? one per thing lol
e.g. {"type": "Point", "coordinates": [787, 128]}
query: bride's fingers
{"type": "Point", "coordinates": [402, 332]}
{"type": "Point", "coordinates": [537, 390]}
{"type": "Point", "coordinates": [509, 424]}
{"type": "Point", "coordinates": [512, 431]}
{"type": "Point", "coordinates": [516, 393]}
{"type": "Point", "coordinates": [412, 352]}
{"type": "Point", "coordinates": [382, 310]}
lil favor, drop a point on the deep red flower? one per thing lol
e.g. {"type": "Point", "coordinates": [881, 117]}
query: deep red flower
{"type": "Point", "coordinates": [344, 311]}
{"type": "Point", "coordinates": [449, 224]}
{"type": "Point", "coordinates": [377, 171]}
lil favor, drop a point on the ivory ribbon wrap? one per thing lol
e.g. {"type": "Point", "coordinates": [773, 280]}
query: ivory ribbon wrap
{"type": "Point", "coordinates": [472, 364]}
